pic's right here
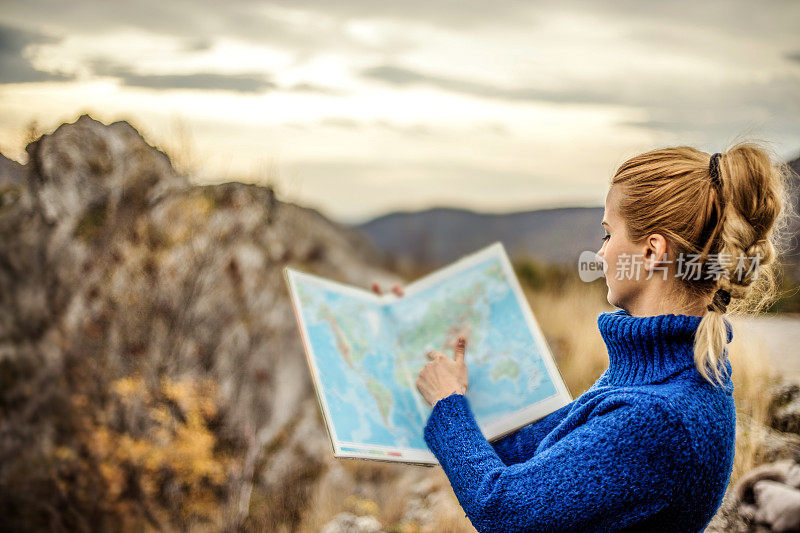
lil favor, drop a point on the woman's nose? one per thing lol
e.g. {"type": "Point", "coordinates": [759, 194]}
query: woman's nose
{"type": "Point", "coordinates": [601, 251]}
{"type": "Point", "coordinates": [600, 254]}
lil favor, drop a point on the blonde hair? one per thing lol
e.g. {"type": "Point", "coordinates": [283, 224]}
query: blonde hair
{"type": "Point", "coordinates": [670, 191]}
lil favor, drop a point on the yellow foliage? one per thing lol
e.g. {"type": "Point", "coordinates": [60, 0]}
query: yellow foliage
{"type": "Point", "coordinates": [176, 448]}
{"type": "Point", "coordinates": [128, 386]}
{"type": "Point", "coordinates": [411, 527]}
{"type": "Point", "coordinates": [185, 216]}
{"type": "Point", "coordinates": [361, 506]}
{"type": "Point", "coordinates": [64, 453]}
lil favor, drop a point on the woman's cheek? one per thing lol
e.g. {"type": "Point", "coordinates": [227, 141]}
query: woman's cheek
{"type": "Point", "coordinates": [611, 269]}
{"type": "Point", "coordinates": [608, 263]}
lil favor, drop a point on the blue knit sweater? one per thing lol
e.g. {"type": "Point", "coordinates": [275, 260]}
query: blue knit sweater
{"type": "Point", "coordinates": [648, 447]}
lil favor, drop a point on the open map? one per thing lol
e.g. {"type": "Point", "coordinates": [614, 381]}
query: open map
{"type": "Point", "coordinates": [365, 352]}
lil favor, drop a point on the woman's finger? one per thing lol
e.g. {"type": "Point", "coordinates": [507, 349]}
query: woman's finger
{"type": "Point", "coordinates": [431, 354]}
{"type": "Point", "coordinates": [461, 347]}
{"type": "Point", "coordinates": [376, 288]}
{"type": "Point", "coordinates": [397, 289]}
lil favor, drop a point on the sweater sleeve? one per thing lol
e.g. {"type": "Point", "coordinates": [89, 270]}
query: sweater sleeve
{"type": "Point", "coordinates": [519, 445]}
{"type": "Point", "coordinates": [620, 466]}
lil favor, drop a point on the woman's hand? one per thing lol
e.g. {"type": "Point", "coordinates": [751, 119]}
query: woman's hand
{"type": "Point", "coordinates": [442, 376]}
{"type": "Point", "coordinates": [396, 288]}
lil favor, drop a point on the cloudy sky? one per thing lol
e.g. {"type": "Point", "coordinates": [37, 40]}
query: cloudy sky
{"type": "Point", "coordinates": [360, 107]}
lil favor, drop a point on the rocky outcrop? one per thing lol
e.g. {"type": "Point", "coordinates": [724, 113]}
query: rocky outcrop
{"type": "Point", "coordinates": [117, 274]}
{"type": "Point", "coordinates": [769, 495]}
{"type": "Point", "coordinates": [11, 172]}
{"type": "Point", "coordinates": [350, 523]}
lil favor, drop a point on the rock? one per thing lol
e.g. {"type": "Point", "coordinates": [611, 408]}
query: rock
{"type": "Point", "coordinates": [765, 499]}
{"type": "Point", "coordinates": [778, 446]}
{"type": "Point", "coordinates": [423, 487]}
{"type": "Point", "coordinates": [425, 500]}
{"type": "Point", "coordinates": [350, 523]}
{"type": "Point", "coordinates": [88, 163]}
{"type": "Point", "coordinates": [777, 505]}
{"type": "Point", "coordinates": [729, 520]}
{"type": "Point", "coordinates": [784, 408]}
{"type": "Point", "coordinates": [113, 265]}
{"type": "Point", "coordinates": [11, 172]}
{"type": "Point", "coordinates": [786, 472]}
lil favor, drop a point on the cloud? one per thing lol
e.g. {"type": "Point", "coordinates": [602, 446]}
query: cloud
{"type": "Point", "coordinates": [793, 56]}
{"type": "Point", "coordinates": [729, 109]}
{"type": "Point", "coordinates": [14, 67]}
{"type": "Point", "coordinates": [465, 14]}
{"type": "Point", "coordinates": [402, 77]}
{"type": "Point", "coordinates": [722, 112]}
{"type": "Point", "coordinates": [242, 82]}
{"type": "Point", "coordinates": [246, 83]}
{"type": "Point", "coordinates": [199, 44]}
{"type": "Point", "coordinates": [313, 88]}
{"type": "Point", "coordinates": [340, 122]}
{"type": "Point", "coordinates": [303, 30]}
{"type": "Point", "coordinates": [254, 20]}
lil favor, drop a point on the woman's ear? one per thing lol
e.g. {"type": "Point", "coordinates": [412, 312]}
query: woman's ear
{"type": "Point", "coordinates": [656, 253]}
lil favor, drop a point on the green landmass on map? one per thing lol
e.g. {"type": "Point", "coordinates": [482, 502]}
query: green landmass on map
{"type": "Point", "coordinates": [507, 368]}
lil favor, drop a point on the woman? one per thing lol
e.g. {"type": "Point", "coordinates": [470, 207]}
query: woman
{"type": "Point", "coordinates": [650, 446]}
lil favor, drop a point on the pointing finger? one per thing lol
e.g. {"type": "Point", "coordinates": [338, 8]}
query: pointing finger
{"type": "Point", "coordinates": [461, 348]}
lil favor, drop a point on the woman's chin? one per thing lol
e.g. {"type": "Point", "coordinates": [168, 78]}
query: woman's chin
{"type": "Point", "coordinates": [611, 298]}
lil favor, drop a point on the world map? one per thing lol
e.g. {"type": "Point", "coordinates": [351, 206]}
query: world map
{"type": "Point", "coordinates": [368, 353]}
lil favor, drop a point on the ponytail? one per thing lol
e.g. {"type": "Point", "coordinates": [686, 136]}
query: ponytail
{"type": "Point", "coordinates": [752, 197]}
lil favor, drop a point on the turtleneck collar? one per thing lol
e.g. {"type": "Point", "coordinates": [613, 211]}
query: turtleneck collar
{"type": "Point", "coordinates": [650, 349]}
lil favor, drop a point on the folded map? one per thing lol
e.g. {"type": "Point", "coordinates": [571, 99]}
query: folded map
{"type": "Point", "coordinates": [365, 351]}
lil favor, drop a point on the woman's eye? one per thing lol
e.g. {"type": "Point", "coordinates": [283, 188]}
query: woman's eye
{"type": "Point", "coordinates": [606, 237]}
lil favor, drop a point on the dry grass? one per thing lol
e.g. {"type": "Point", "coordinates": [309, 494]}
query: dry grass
{"type": "Point", "coordinates": [383, 491]}
{"type": "Point", "coordinates": [753, 374]}
{"type": "Point", "coordinates": [568, 318]}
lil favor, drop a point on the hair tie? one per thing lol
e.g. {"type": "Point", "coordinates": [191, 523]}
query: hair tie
{"type": "Point", "coordinates": [720, 302]}
{"type": "Point", "coordinates": [713, 170]}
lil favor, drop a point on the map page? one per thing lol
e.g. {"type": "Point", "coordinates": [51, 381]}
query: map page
{"type": "Point", "coordinates": [365, 351]}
